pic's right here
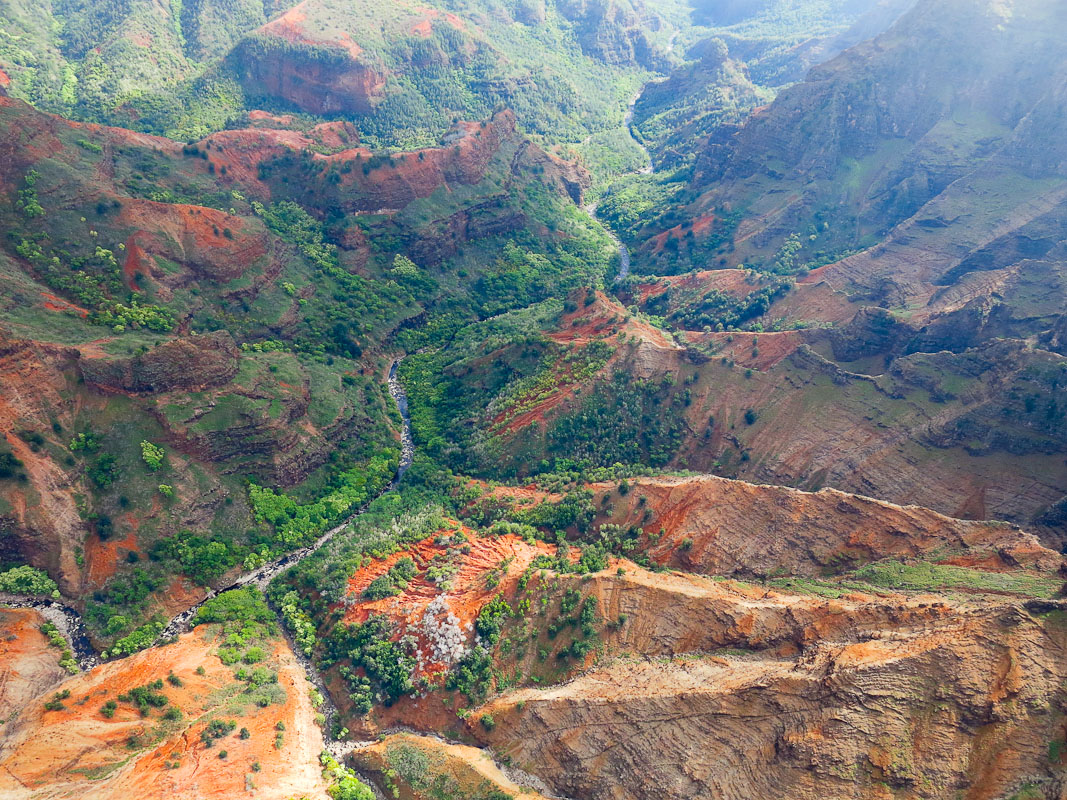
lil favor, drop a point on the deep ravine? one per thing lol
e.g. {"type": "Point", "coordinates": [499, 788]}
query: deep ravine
{"type": "Point", "coordinates": [648, 169]}
{"type": "Point", "coordinates": [263, 575]}
{"type": "Point", "coordinates": [70, 622]}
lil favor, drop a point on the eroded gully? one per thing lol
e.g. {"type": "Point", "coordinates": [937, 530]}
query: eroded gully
{"type": "Point", "coordinates": [647, 169]}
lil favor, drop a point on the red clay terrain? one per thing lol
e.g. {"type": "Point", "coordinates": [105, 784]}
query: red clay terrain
{"type": "Point", "coordinates": [605, 317]}
{"type": "Point", "coordinates": [725, 527]}
{"type": "Point", "coordinates": [854, 684]}
{"type": "Point", "coordinates": [507, 557]}
{"type": "Point", "coordinates": [962, 705]}
{"type": "Point", "coordinates": [29, 664]}
{"type": "Point", "coordinates": [78, 752]}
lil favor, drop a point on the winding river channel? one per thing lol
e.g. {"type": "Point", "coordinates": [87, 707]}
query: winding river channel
{"type": "Point", "coordinates": [647, 169]}
{"type": "Point", "coordinates": [70, 623]}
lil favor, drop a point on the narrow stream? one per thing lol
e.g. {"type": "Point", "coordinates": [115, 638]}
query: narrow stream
{"type": "Point", "coordinates": [70, 623]}
{"type": "Point", "coordinates": [65, 618]}
{"type": "Point", "coordinates": [262, 576]}
{"type": "Point", "coordinates": [590, 209]}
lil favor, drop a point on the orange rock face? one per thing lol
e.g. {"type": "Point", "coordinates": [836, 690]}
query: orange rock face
{"type": "Point", "coordinates": [719, 526]}
{"type": "Point", "coordinates": [78, 752]}
{"type": "Point", "coordinates": [953, 708]}
{"type": "Point", "coordinates": [29, 665]}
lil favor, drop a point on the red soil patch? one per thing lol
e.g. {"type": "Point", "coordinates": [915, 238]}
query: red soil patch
{"type": "Point", "coordinates": [53, 303]}
{"type": "Point", "coordinates": [733, 282]}
{"type": "Point", "coordinates": [729, 524]}
{"type": "Point", "coordinates": [290, 26]}
{"type": "Point", "coordinates": [699, 226]}
{"type": "Point", "coordinates": [102, 558]}
{"type": "Point", "coordinates": [391, 184]}
{"type": "Point", "coordinates": [196, 236]}
{"type": "Point", "coordinates": [603, 318]}
{"type": "Point", "coordinates": [242, 151]}
{"type": "Point", "coordinates": [180, 594]}
{"type": "Point", "coordinates": [606, 317]}
{"type": "Point", "coordinates": [37, 130]}
{"type": "Point", "coordinates": [522, 496]}
{"type": "Point", "coordinates": [817, 302]}
{"type": "Point", "coordinates": [419, 173]}
{"type": "Point", "coordinates": [95, 348]}
{"type": "Point", "coordinates": [258, 115]}
{"type": "Point", "coordinates": [424, 25]}
{"type": "Point", "coordinates": [346, 42]}
{"type": "Point", "coordinates": [137, 263]}
{"type": "Point", "coordinates": [468, 593]}
{"type": "Point", "coordinates": [5, 81]}
{"type": "Point", "coordinates": [335, 135]}
{"type": "Point", "coordinates": [63, 749]}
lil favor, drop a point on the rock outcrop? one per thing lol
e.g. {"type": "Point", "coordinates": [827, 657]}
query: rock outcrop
{"type": "Point", "coordinates": [187, 364]}
{"type": "Point", "coordinates": [318, 79]}
{"type": "Point", "coordinates": [966, 706]}
{"type": "Point", "coordinates": [723, 527]}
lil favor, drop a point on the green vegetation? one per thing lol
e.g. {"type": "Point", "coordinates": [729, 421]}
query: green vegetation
{"type": "Point", "coordinates": [56, 640]}
{"type": "Point", "coordinates": [56, 703]}
{"type": "Point", "coordinates": [392, 582]}
{"type": "Point", "coordinates": [925, 576]}
{"type": "Point", "coordinates": [245, 622]}
{"type": "Point", "coordinates": [27, 201]}
{"type": "Point", "coordinates": [139, 639]}
{"type": "Point", "coordinates": [344, 785]}
{"type": "Point", "coordinates": [27, 580]}
{"type": "Point", "coordinates": [244, 606]}
{"type": "Point", "coordinates": [298, 622]}
{"type": "Point", "coordinates": [715, 309]}
{"type": "Point", "coordinates": [153, 455]}
{"type": "Point", "coordinates": [427, 774]}
{"type": "Point", "coordinates": [297, 524]}
{"type": "Point", "coordinates": [387, 665]}
{"type": "Point", "coordinates": [146, 697]}
{"type": "Point", "coordinates": [215, 730]}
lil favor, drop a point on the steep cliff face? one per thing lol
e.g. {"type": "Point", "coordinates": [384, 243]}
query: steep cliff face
{"type": "Point", "coordinates": [615, 31]}
{"type": "Point", "coordinates": [859, 672]}
{"type": "Point", "coordinates": [979, 48]}
{"type": "Point", "coordinates": [965, 707]}
{"type": "Point", "coordinates": [188, 364]}
{"type": "Point", "coordinates": [728, 527]}
{"type": "Point", "coordinates": [940, 686]}
{"type": "Point", "coordinates": [40, 519]}
{"type": "Point", "coordinates": [315, 79]}
{"type": "Point", "coordinates": [888, 126]}
{"type": "Point", "coordinates": [935, 429]}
